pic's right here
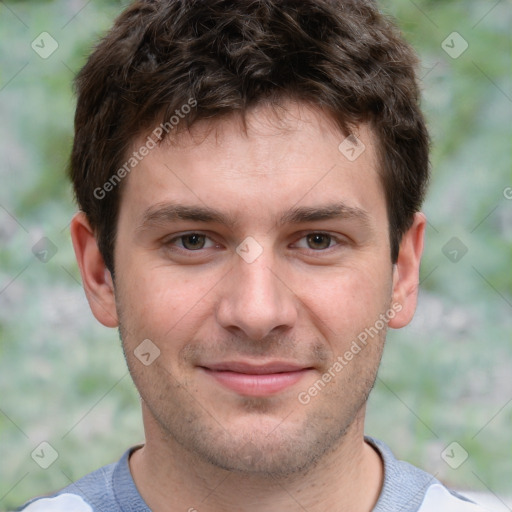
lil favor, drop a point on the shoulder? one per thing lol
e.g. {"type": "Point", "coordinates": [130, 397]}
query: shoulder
{"type": "Point", "coordinates": [64, 502]}
{"type": "Point", "coordinates": [410, 489]}
{"type": "Point", "coordinates": [98, 490]}
{"type": "Point", "coordinates": [438, 498]}
{"type": "Point", "coordinates": [80, 496]}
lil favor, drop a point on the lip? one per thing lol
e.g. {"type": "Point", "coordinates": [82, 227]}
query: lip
{"type": "Point", "coordinates": [256, 379]}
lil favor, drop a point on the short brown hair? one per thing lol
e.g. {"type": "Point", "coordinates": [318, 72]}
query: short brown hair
{"type": "Point", "coordinates": [229, 55]}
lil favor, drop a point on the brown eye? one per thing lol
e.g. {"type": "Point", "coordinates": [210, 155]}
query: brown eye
{"type": "Point", "coordinates": [319, 241]}
{"type": "Point", "coordinates": [193, 241]}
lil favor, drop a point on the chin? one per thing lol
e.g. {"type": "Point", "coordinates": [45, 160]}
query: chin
{"type": "Point", "coordinates": [265, 459]}
{"type": "Point", "coordinates": [266, 447]}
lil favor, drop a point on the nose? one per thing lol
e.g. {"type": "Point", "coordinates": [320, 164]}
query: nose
{"type": "Point", "coordinates": [256, 300]}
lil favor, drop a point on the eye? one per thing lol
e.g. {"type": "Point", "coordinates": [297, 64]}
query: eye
{"type": "Point", "coordinates": [191, 242]}
{"type": "Point", "coordinates": [318, 241]}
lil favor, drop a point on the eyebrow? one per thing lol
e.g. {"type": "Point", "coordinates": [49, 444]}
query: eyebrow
{"type": "Point", "coordinates": [339, 211]}
{"type": "Point", "coordinates": [171, 212]}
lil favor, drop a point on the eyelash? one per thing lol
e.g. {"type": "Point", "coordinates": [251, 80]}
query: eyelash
{"type": "Point", "coordinates": [189, 252]}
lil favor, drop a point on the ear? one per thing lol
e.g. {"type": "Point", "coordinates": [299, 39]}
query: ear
{"type": "Point", "coordinates": [406, 272]}
{"type": "Point", "coordinates": [96, 278]}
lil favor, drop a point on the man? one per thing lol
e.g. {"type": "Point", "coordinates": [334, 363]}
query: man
{"type": "Point", "coordinates": [249, 176]}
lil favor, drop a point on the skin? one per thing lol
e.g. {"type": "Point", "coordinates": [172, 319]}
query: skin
{"type": "Point", "coordinates": [302, 300]}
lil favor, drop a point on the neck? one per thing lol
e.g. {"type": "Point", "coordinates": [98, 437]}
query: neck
{"type": "Point", "coordinates": [349, 478]}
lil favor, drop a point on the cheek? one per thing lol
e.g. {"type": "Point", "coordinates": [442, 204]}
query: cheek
{"type": "Point", "coordinates": [346, 301]}
{"type": "Point", "coordinates": [161, 303]}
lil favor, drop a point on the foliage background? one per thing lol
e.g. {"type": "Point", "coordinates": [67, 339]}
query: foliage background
{"type": "Point", "coordinates": [444, 378]}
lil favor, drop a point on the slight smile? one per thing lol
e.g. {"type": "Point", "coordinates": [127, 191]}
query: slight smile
{"type": "Point", "coordinates": [256, 380]}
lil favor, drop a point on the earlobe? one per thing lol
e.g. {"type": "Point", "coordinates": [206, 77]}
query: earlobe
{"type": "Point", "coordinates": [96, 278]}
{"type": "Point", "coordinates": [406, 272]}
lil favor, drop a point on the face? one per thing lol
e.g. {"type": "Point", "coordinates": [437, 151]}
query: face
{"type": "Point", "coordinates": [255, 263]}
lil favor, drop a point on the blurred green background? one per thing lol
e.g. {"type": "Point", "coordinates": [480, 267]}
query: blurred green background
{"type": "Point", "coordinates": [447, 377]}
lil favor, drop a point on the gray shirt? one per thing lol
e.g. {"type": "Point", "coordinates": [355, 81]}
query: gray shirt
{"type": "Point", "coordinates": [112, 489]}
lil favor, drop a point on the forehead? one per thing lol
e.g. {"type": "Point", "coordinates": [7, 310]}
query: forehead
{"type": "Point", "coordinates": [292, 157]}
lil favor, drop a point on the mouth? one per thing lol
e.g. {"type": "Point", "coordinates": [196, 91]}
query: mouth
{"type": "Point", "coordinates": [250, 379]}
